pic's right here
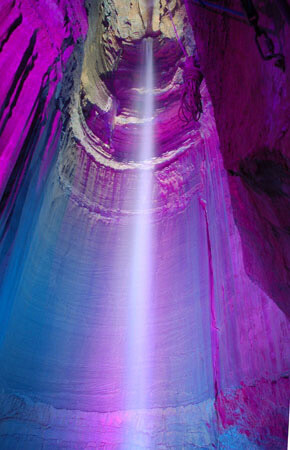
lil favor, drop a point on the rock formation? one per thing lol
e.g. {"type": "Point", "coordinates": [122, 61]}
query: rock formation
{"type": "Point", "coordinates": [215, 330]}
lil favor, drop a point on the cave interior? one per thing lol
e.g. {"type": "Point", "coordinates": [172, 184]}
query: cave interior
{"type": "Point", "coordinates": [144, 224]}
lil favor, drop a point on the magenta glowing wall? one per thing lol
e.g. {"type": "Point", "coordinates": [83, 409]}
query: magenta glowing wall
{"type": "Point", "coordinates": [217, 365]}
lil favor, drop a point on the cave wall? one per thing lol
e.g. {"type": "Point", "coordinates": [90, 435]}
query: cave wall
{"type": "Point", "coordinates": [219, 363]}
{"type": "Point", "coordinates": [251, 107]}
{"type": "Point", "coordinates": [37, 42]}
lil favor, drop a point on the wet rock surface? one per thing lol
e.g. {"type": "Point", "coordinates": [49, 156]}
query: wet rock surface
{"type": "Point", "coordinates": [251, 103]}
{"type": "Point", "coordinates": [220, 191]}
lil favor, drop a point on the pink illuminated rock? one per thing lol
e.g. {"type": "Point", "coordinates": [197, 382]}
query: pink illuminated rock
{"type": "Point", "coordinates": [37, 39]}
{"type": "Point", "coordinates": [251, 106]}
{"type": "Point", "coordinates": [167, 343]}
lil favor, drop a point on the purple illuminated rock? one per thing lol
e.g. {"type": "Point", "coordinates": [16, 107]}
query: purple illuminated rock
{"type": "Point", "coordinates": [251, 106]}
{"type": "Point", "coordinates": [218, 342]}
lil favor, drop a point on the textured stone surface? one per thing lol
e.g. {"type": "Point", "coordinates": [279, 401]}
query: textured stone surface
{"type": "Point", "coordinates": [181, 427]}
{"type": "Point", "coordinates": [36, 45]}
{"type": "Point", "coordinates": [251, 104]}
{"type": "Point", "coordinates": [259, 411]}
{"type": "Point", "coordinates": [218, 342]}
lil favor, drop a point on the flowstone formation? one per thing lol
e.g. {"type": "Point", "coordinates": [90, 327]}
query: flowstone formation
{"type": "Point", "coordinates": [128, 319]}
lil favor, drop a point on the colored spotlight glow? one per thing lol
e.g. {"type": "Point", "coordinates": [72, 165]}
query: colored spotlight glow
{"type": "Point", "coordinates": [140, 270]}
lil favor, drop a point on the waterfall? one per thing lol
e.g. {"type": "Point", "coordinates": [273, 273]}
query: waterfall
{"type": "Point", "coordinates": [140, 274]}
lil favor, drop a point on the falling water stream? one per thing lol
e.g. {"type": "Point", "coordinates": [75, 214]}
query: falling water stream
{"type": "Point", "coordinates": [140, 271]}
{"type": "Point", "coordinates": [120, 331]}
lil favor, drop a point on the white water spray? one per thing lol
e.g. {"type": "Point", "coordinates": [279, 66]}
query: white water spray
{"type": "Point", "coordinates": [141, 269]}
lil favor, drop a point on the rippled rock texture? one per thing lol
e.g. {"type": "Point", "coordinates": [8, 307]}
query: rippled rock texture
{"type": "Point", "coordinates": [214, 370]}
